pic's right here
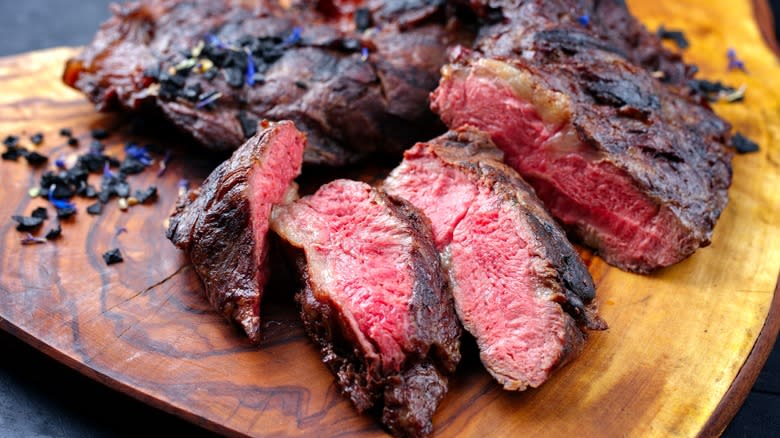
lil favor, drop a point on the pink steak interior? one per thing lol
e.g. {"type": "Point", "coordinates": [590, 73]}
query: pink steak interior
{"type": "Point", "coordinates": [595, 199]}
{"type": "Point", "coordinates": [493, 270]}
{"type": "Point", "coordinates": [359, 258]}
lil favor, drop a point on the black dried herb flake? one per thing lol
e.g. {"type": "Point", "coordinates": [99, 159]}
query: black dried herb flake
{"type": "Point", "coordinates": [99, 134]}
{"type": "Point", "coordinates": [36, 138]}
{"type": "Point", "coordinates": [742, 144]}
{"type": "Point", "coordinates": [40, 212]}
{"type": "Point", "coordinates": [112, 256]}
{"type": "Point", "coordinates": [302, 85]}
{"type": "Point", "coordinates": [66, 132]}
{"type": "Point", "coordinates": [676, 36]}
{"type": "Point", "coordinates": [73, 141]}
{"type": "Point", "coordinates": [13, 153]}
{"type": "Point", "coordinates": [95, 209]}
{"type": "Point", "coordinates": [27, 223]}
{"type": "Point", "coordinates": [55, 232]}
{"type": "Point", "coordinates": [131, 166]}
{"type": "Point", "coordinates": [36, 159]}
{"type": "Point", "coordinates": [248, 123]}
{"type": "Point", "coordinates": [29, 239]}
{"type": "Point", "coordinates": [66, 212]}
{"type": "Point", "coordinates": [146, 196]}
{"type": "Point", "coordinates": [11, 141]}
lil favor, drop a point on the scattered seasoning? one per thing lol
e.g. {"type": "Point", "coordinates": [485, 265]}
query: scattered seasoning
{"type": "Point", "coordinates": [716, 91]}
{"type": "Point", "coordinates": [302, 85]}
{"type": "Point", "coordinates": [208, 98]}
{"type": "Point", "coordinates": [12, 153]}
{"type": "Point", "coordinates": [584, 20]}
{"type": "Point", "coordinates": [95, 209]}
{"type": "Point", "coordinates": [27, 223]}
{"type": "Point", "coordinates": [248, 123]}
{"type": "Point", "coordinates": [36, 138]}
{"type": "Point", "coordinates": [734, 62]}
{"type": "Point", "coordinates": [164, 163]}
{"type": "Point", "coordinates": [112, 256]}
{"type": "Point", "coordinates": [99, 134]}
{"type": "Point", "coordinates": [742, 144]}
{"type": "Point", "coordinates": [676, 36]}
{"type": "Point", "coordinates": [36, 159]}
{"type": "Point", "coordinates": [34, 192]}
{"type": "Point", "coordinates": [60, 163]}
{"type": "Point", "coordinates": [143, 196]}
{"type": "Point", "coordinates": [119, 231]}
{"type": "Point", "coordinates": [66, 212]}
{"type": "Point", "coordinates": [362, 19]}
{"type": "Point", "coordinates": [294, 38]}
{"type": "Point", "coordinates": [364, 54]}
{"type": "Point", "coordinates": [60, 204]}
{"type": "Point", "coordinates": [11, 141]}
{"type": "Point", "coordinates": [55, 232]}
{"type": "Point", "coordinates": [66, 132]}
{"type": "Point", "coordinates": [123, 204]}
{"type": "Point", "coordinates": [29, 239]}
{"type": "Point", "coordinates": [40, 212]}
{"type": "Point", "coordinates": [184, 186]}
{"type": "Point", "coordinates": [250, 68]}
{"type": "Point", "coordinates": [73, 141]}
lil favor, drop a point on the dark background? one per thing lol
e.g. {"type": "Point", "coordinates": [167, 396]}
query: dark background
{"type": "Point", "coordinates": [41, 398]}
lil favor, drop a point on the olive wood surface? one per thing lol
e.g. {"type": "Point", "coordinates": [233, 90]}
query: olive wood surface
{"type": "Point", "coordinates": [678, 358]}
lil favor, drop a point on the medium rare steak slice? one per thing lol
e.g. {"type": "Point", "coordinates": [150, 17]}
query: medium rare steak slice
{"type": "Point", "coordinates": [631, 166]}
{"type": "Point", "coordinates": [519, 286]}
{"type": "Point", "coordinates": [356, 82]}
{"type": "Point", "coordinates": [223, 225]}
{"type": "Point", "coordinates": [374, 300]}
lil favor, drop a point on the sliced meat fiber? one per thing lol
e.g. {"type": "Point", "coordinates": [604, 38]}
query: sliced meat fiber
{"type": "Point", "coordinates": [634, 167]}
{"type": "Point", "coordinates": [519, 286]}
{"type": "Point", "coordinates": [374, 300]}
{"type": "Point", "coordinates": [223, 225]}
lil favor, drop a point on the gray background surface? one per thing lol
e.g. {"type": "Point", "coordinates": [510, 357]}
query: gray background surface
{"type": "Point", "coordinates": [41, 398]}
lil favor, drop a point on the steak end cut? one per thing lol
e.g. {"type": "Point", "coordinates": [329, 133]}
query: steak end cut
{"type": "Point", "coordinates": [374, 300]}
{"type": "Point", "coordinates": [222, 226]}
{"type": "Point", "coordinates": [519, 286]}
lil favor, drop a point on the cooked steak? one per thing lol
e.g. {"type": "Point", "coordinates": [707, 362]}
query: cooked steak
{"type": "Point", "coordinates": [355, 80]}
{"type": "Point", "coordinates": [374, 300]}
{"type": "Point", "coordinates": [631, 166]}
{"type": "Point", "coordinates": [519, 286]}
{"type": "Point", "coordinates": [223, 225]}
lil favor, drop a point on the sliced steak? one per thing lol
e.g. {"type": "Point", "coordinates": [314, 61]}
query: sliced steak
{"type": "Point", "coordinates": [519, 286]}
{"type": "Point", "coordinates": [355, 86]}
{"type": "Point", "coordinates": [631, 166]}
{"type": "Point", "coordinates": [374, 300]}
{"type": "Point", "coordinates": [223, 225]}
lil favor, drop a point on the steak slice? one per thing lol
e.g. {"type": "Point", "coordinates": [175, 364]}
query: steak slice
{"type": "Point", "coordinates": [222, 226]}
{"type": "Point", "coordinates": [374, 300]}
{"type": "Point", "coordinates": [353, 90]}
{"type": "Point", "coordinates": [519, 286]}
{"type": "Point", "coordinates": [631, 166]}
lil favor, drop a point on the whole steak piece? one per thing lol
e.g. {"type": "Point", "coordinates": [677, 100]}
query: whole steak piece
{"type": "Point", "coordinates": [632, 166]}
{"type": "Point", "coordinates": [519, 286]}
{"type": "Point", "coordinates": [223, 226]}
{"type": "Point", "coordinates": [354, 76]}
{"type": "Point", "coordinates": [374, 300]}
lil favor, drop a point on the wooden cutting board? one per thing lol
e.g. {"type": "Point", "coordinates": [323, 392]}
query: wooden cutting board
{"type": "Point", "coordinates": [683, 348]}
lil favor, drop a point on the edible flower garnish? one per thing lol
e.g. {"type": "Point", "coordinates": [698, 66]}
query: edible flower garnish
{"type": "Point", "coordinates": [294, 38]}
{"type": "Point", "coordinates": [364, 54]}
{"type": "Point", "coordinates": [32, 240]}
{"type": "Point", "coordinates": [677, 36]}
{"type": "Point", "coordinates": [734, 62]}
{"type": "Point", "coordinates": [184, 186]}
{"type": "Point", "coordinates": [139, 153]}
{"type": "Point", "coordinates": [250, 68]}
{"type": "Point", "coordinates": [60, 204]}
{"type": "Point", "coordinates": [584, 20]}
{"type": "Point", "coordinates": [164, 163]}
{"type": "Point", "coordinates": [209, 98]}
{"type": "Point", "coordinates": [107, 173]}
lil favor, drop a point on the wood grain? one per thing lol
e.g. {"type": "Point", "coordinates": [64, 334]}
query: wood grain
{"type": "Point", "coordinates": [677, 342]}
